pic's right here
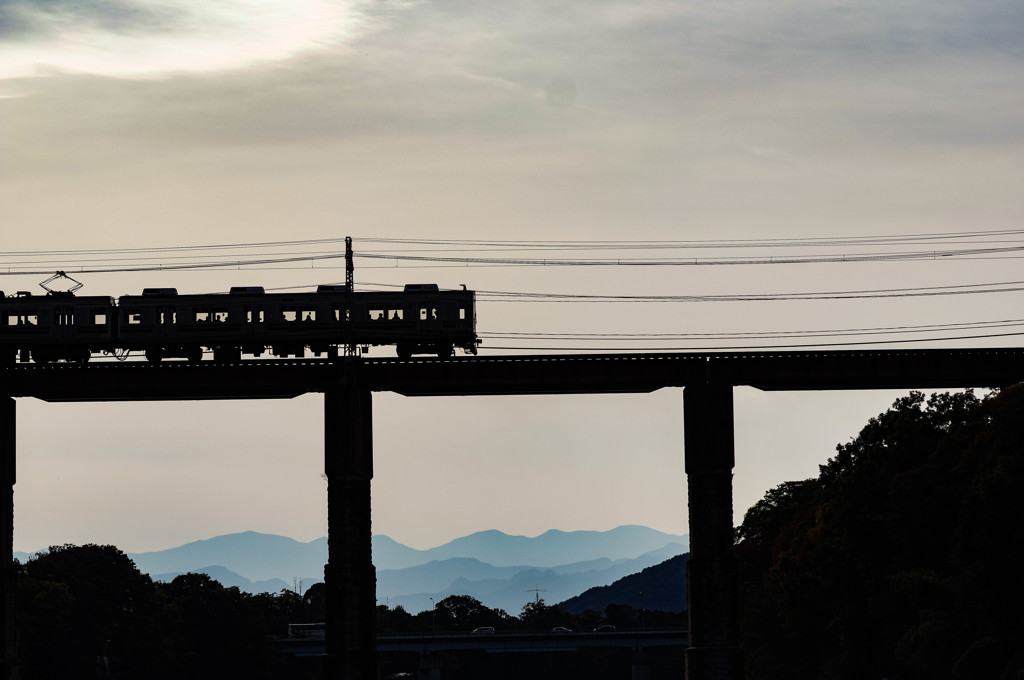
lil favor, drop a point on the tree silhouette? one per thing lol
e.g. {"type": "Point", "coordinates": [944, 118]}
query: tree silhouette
{"type": "Point", "coordinates": [219, 630]}
{"type": "Point", "coordinates": [463, 612]}
{"type": "Point", "coordinates": [538, 615]}
{"type": "Point", "coordinates": [894, 562]}
{"type": "Point", "coordinates": [85, 609]}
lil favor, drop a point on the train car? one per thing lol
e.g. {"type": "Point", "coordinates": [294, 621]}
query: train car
{"type": "Point", "coordinates": [56, 326]}
{"type": "Point", "coordinates": [421, 319]}
{"type": "Point", "coordinates": [163, 324]}
{"type": "Point", "coordinates": [160, 323]}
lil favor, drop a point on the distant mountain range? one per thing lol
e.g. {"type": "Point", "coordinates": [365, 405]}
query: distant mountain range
{"type": "Point", "coordinates": [507, 588]}
{"type": "Point", "coordinates": [550, 549]}
{"type": "Point", "coordinates": [496, 568]}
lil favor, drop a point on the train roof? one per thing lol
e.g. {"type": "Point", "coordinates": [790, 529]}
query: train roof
{"type": "Point", "coordinates": [24, 298]}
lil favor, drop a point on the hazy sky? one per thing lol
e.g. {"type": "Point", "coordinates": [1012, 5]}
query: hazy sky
{"type": "Point", "coordinates": [162, 123]}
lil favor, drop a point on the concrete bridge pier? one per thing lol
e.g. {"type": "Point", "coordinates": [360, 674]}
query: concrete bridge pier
{"type": "Point", "coordinates": [429, 666]}
{"type": "Point", "coordinates": [8, 441]}
{"type": "Point", "coordinates": [349, 575]}
{"type": "Point", "coordinates": [711, 574]}
{"type": "Point", "coordinates": [640, 668]}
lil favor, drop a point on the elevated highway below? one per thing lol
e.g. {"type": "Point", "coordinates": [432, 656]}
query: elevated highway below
{"type": "Point", "coordinates": [498, 642]}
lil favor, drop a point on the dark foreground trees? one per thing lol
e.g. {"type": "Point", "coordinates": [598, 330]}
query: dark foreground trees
{"type": "Point", "coordinates": [899, 560]}
{"type": "Point", "coordinates": [82, 610]}
{"type": "Point", "coordinates": [87, 611]}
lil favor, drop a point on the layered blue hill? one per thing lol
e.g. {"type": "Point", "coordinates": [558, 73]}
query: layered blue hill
{"type": "Point", "coordinates": [501, 570]}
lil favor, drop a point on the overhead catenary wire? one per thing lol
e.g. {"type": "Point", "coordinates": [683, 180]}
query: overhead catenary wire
{"type": "Point", "coordinates": [759, 335]}
{"type": "Point", "coordinates": [708, 261]}
{"type": "Point", "coordinates": [708, 243]}
{"type": "Point", "coordinates": [280, 254]}
{"type": "Point", "coordinates": [917, 291]}
{"type": "Point", "coordinates": [750, 347]}
{"type": "Point", "coordinates": [752, 340]}
{"type": "Point", "coordinates": [527, 244]}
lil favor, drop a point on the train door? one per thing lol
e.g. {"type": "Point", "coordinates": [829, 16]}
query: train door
{"type": "Point", "coordinates": [254, 328]}
{"type": "Point", "coordinates": [166, 326]}
{"type": "Point", "coordinates": [430, 318]}
{"type": "Point", "coordinates": [64, 324]}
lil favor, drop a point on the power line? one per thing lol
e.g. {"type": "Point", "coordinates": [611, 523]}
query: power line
{"type": "Point", "coordinates": [759, 335]}
{"type": "Point", "coordinates": [730, 348]}
{"type": "Point", "coordinates": [922, 291]}
{"type": "Point", "coordinates": [114, 260]}
{"type": "Point", "coordinates": [917, 291]}
{"type": "Point", "coordinates": [888, 239]}
{"type": "Point", "coordinates": [708, 261]}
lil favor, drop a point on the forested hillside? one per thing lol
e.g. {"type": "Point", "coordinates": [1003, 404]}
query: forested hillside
{"type": "Point", "coordinates": [900, 560]}
{"type": "Point", "coordinates": [661, 587]}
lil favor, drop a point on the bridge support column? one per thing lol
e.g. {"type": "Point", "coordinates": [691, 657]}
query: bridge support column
{"type": "Point", "coordinates": [349, 576]}
{"type": "Point", "coordinates": [430, 666]}
{"type": "Point", "coordinates": [711, 574]}
{"type": "Point", "coordinates": [8, 447]}
{"type": "Point", "coordinates": [641, 669]}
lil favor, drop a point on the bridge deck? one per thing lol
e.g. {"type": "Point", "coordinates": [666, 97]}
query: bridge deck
{"type": "Point", "coordinates": [516, 374]}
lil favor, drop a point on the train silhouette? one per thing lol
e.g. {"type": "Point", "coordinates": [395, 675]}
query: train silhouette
{"type": "Point", "coordinates": [160, 323]}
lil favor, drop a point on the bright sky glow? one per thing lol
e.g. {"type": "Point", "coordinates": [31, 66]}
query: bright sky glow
{"type": "Point", "coordinates": [153, 39]}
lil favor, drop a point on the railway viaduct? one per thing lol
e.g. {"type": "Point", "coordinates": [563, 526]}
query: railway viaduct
{"type": "Point", "coordinates": [347, 385]}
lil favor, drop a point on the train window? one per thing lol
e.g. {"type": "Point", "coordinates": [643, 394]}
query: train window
{"type": "Point", "coordinates": [289, 313]}
{"type": "Point", "coordinates": [423, 313]}
{"type": "Point", "coordinates": [377, 314]}
{"type": "Point", "coordinates": [462, 313]}
{"type": "Point", "coordinates": [397, 315]}
{"type": "Point", "coordinates": [254, 313]}
{"type": "Point", "coordinates": [134, 317]}
{"type": "Point", "coordinates": [220, 314]}
{"type": "Point", "coordinates": [168, 316]}
{"type": "Point", "coordinates": [22, 319]}
{"type": "Point", "coordinates": [201, 315]}
{"type": "Point", "coordinates": [307, 314]}
{"type": "Point", "coordinates": [99, 318]}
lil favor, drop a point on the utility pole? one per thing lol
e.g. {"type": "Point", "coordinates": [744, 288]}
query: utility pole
{"type": "Point", "coordinates": [537, 592]}
{"type": "Point", "coordinates": [346, 314]}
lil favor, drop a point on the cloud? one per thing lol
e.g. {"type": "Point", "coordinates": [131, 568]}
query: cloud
{"type": "Point", "coordinates": [133, 38]}
{"type": "Point", "coordinates": [24, 20]}
{"type": "Point", "coordinates": [649, 88]}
